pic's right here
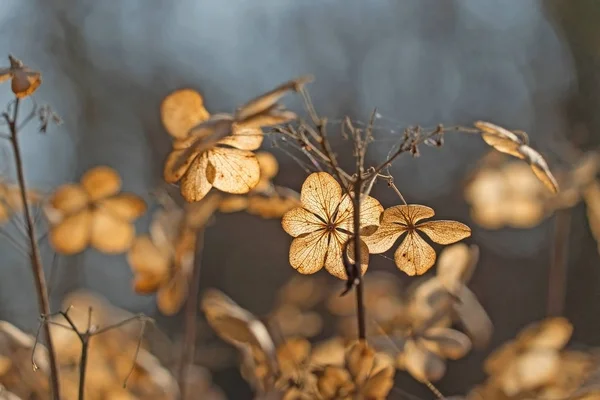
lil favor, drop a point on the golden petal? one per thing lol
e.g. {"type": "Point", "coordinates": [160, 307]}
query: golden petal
{"type": "Point", "coordinates": [445, 232]}
{"type": "Point", "coordinates": [232, 170]}
{"type": "Point", "coordinates": [500, 139]}
{"type": "Point", "coordinates": [268, 164]}
{"type": "Point", "coordinates": [421, 363]}
{"type": "Point", "coordinates": [5, 74]}
{"type": "Point", "coordinates": [100, 182]}
{"type": "Point", "coordinates": [125, 206]}
{"type": "Point", "coordinates": [364, 255]}
{"type": "Point", "coordinates": [384, 237]}
{"type": "Point", "coordinates": [414, 256]}
{"type": "Point", "coordinates": [456, 265]}
{"type": "Point", "coordinates": [407, 214]}
{"type": "Point", "coordinates": [446, 342]}
{"type": "Point", "coordinates": [540, 168]}
{"type": "Point", "coordinates": [370, 213]}
{"type": "Point", "coordinates": [299, 221]}
{"type": "Point", "coordinates": [530, 371]}
{"type": "Point", "coordinates": [194, 184]}
{"type": "Point", "coordinates": [111, 234]}
{"type": "Point", "coordinates": [181, 110]}
{"type": "Point", "coordinates": [72, 235]}
{"type": "Point", "coordinates": [149, 264]}
{"type": "Point", "coordinates": [69, 198]}
{"type": "Point", "coordinates": [551, 333]}
{"type": "Point", "coordinates": [360, 358]}
{"type": "Point", "coordinates": [25, 82]}
{"type": "Point", "coordinates": [321, 194]}
{"type": "Point", "coordinates": [307, 253]}
{"type": "Point", "coordinates": [170, 297]}
{"type": "Point", "coordinates": [243, 138]}
{"type": "Point", "coordinates": [177, 164]}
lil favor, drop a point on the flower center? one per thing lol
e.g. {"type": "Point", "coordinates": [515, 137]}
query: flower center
{"type": "Point", "coordinates": [330, 227]}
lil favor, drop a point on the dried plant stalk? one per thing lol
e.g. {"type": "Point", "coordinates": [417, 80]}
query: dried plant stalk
{"type": "Point", "coordinates": [34, 254]}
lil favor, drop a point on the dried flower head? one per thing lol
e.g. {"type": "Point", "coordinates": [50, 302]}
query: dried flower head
{"type": "Point", "coordinates": [323, 225]}
{"type": "Point", "coordinates": [162, 262]}
{"type": "Point", "coordinates": [414, 256]}
{"type": "Point", "coordinates": [24, 80]}
{"type": "Point", "coordinates": [217, 151]}
{"type": "Point", "coordinates": [532, 359]}
{"type": "Point", "coordinates": [506, 196]}
{"type": "Point", "coordinates": [93, 213]}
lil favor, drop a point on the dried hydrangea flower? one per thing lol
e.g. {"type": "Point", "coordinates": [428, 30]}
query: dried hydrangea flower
{"type": "Point", "coordinates": [414, 256]}
{"type": "Point", "coordinates": [508, 195]}
{"type": "Point", "coordinates": [93, 213]}
{"type": "Point", "coordinates": [323, 225]}
{"type": "Point", "coordinates": [24, 80]}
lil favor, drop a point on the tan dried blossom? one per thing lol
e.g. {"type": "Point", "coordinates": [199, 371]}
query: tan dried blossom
{"type": "Point", "coordinates": [323, 225]}
{"type": "Point", "coordinates": [292, 315]}
{"type": "Point", "coordinates": [217, 151]}
{"type": "Point", "coordinates": [516, 144]}
{"type": "Point", "coordinates": [24, 80]}
{"type": "Point", "coordinates": [508, 195]}
{"type": "Point", "coordinates": [447, 292]}
{"type": "Point", "coordinates": [414, 256]}
{"type": "Point", "coordinates": [163, 261]}
{"type": "Point", "coordinates": [93, 213]}
{"type": "Point", "coordinates": [366, 375]}
{"type": "Point", "coordinates": [532, 360]}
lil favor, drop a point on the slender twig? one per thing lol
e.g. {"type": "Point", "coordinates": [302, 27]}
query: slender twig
{"type": "Point", "coordinates": [360, 307]}
{"type": "Point", "coordinates": [188, 347]}
{"type": "Point", "coordinates": [84, 338]}
{"type": "Point", "coordinates": [557, 275]}
{"type": "Point", "coordinates": [36, 261]}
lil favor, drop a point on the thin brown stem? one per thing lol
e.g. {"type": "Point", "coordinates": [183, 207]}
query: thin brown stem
{"type": "Point", "coordinates": [188, 347]}
{"type": "Point", "coordinates": [36, 261]}
{"type": "Point", "coordinates": [557, 276]}
{"type": "Point", "coordinates": [360, 307]}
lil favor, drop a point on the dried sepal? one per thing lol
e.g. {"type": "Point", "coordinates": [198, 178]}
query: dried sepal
{"type": "Point", "coordinates": [414, 256]}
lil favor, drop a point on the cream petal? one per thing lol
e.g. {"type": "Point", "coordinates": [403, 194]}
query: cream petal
{"type": "Point", "coordinates": [299, 221]}
{"type": "Point", "coordinates": [194, 184]}
{"type": "Point", "coordinates": [414, 256]}
{"type": "Point", "coordinates": [100, 182]}
{"type": "Point", "coordinates": [307, 253]}
{"type": "Point", "coordinates": [72, 234]}
{"type": "Point", "coordinates": [232, 170]}
{"type": "Point", "coordinates": [321, 194]}
{"type": "Point", "coordinates": [384, 237]}
{"type": "Point", "coordinates": [445, 232]}
{"type": "Point", "coordinates": [181, 110]}
{"type": "Point", "coordinates": [111, 234]}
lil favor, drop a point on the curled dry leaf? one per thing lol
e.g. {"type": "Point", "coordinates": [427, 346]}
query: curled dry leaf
{"type": "Point", "coordinates": [24, 80]}
{"type": "Point", "coordinates": [239, 327]}
{"type": "Point", "coordinates": [217, 151]}
{"type": "Point", "coordinates": [323, 225]}
{"type": "Point", "coordinates": [93, 213]}
{"type": "Point", "coordinates": [414, 256]}
{"type": "Point", "coordinates": [517, 145]}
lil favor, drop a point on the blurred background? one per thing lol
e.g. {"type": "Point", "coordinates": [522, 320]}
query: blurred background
{"type": "Point", "coordinates": [527, 65]}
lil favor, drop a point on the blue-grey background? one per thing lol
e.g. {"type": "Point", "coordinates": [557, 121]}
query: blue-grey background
{"type": "Point", "coordinates": [528, 65]}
